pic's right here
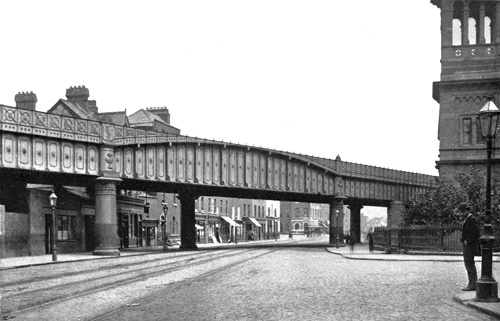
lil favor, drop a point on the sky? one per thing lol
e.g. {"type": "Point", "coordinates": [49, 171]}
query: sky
{"type": "Point", "coordinates": [322, 78]}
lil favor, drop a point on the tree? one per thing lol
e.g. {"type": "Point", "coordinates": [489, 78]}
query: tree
{"type": "Point", "coordinates": [436, 204]}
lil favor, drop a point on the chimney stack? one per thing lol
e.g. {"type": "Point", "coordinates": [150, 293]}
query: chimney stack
{"type": "Point", "coordinates": [92, 107]}
{"type": "Point", "coordinates": [77, 94]}
{"type": "Point", "coordinates": [161, 112]}
{"type": "Point", "coordinates": [26, 100]}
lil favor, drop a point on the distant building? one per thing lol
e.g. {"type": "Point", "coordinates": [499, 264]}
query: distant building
{"type": "Point", "coordinates": [305, 218]}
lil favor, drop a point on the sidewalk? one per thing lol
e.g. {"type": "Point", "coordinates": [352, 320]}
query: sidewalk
{"type": "Point", "coordinates": [361, 252]}
{"type": "Point", "coordinates": [26, 261]}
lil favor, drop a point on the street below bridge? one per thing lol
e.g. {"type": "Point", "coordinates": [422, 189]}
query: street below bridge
{"type": "Point", "coordinates": [285, 280]}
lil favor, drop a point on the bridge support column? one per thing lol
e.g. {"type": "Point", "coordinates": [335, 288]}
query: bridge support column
{"type": "Point", "coordinates": [105, 217]}
{"type": "Point", "coordinates": [337, 222]}
{"type": "Point", "coordinates": [395, 213]}
{"type": "Point", "coordinates": [188, 221]}
{"type": "Point", "coordinates": [355, 222]}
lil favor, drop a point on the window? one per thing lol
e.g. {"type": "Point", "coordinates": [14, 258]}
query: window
{"type": "Point", "coordinates": [467, 131]}
{"type": "Point", "coordinates": [65, 227]}
{"type": "Point", "coordinates": [479, 135]}
{"type": "Point", "coordinates": [275, 213]}
{"type": "Point", "coordinates": [202, 204]}
{"type": "Point", "coordinates": [297, 212]}
{"type": "Point", "coordinates": [457, 32]}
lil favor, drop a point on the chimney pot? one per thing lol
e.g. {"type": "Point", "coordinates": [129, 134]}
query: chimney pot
{"type": "Point", "coordinates": [26, 100]}
{"type": "Point", "coordinates": [77, 94]}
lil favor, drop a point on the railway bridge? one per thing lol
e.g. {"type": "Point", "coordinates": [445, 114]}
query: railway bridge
{"type": "Point", "coordinates": [39, 147]}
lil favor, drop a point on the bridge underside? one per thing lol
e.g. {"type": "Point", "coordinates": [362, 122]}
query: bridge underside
{"type": "Point", "coordinates": [67, 179]}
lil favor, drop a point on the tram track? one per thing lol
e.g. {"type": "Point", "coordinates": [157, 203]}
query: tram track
{"type": "Point", "coordinates": [24, 280]}
{"type": "Point", "coordinates": [15, 302]}
{"type": "Point", "coordinates": [202, 275]}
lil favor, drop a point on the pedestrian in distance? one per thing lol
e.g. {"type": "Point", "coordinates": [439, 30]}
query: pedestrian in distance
{"type": "Point", "coordinates": [352, 241]}
{"type": "Point", "coordinates": [471, 244]}
{"type": "Point", "coordinates": [370, 240]}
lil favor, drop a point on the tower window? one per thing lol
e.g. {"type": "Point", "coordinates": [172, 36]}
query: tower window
{"type": "Point", "coordinates": [467, 131]}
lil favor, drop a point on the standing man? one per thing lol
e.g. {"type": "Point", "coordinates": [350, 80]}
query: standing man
{"type": "Point", "coordinates": [471, 244]}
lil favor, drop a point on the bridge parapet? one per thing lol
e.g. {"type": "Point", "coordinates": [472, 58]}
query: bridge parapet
{"type": "Point", "coordinates": [36, 123]}
{"type": "Point", "coordinates": [362, 171]}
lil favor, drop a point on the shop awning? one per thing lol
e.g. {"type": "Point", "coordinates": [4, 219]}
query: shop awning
{"type": "Point", "coordinates": [324, 225]}
{"type": "Point", "coordinates": [198, 227]}
{"type": "Point", "coordinates": [254, 221]}
{"type": "Point", "coordinates": [230, 221]}
{"type": "Point", "coordinates": [150, 223]}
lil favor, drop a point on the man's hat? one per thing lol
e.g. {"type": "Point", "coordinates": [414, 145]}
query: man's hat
{"type": "Point", "coordinates": [463, 206]}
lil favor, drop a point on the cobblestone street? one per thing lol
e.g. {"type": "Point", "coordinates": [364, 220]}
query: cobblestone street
{"type": "Point", "coordinates": [311, 284]}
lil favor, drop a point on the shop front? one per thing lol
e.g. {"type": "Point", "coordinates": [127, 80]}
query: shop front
{"type": "Point", "coordinates": [207, 227]}
{"type": "Point", "coordinates": [252, 229]}
{"type": "Point", "coordinates": [129, 215]}
{"type": "Point", "coordinates": [229, 230]}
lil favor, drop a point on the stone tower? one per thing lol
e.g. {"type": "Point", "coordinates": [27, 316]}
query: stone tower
{"type": "Point", "coordinates": [470, 73]}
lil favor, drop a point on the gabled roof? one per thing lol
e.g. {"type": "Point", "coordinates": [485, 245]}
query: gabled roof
{"type": "Point", "coordinates": [142, 117]}
{"type": "Point", "coordinates": [72, 109]}
{"type": "Point", "coordinates": [118, 118]}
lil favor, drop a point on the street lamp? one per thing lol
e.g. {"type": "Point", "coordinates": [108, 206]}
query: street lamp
{"type": "Point", "coordinates": [53, 204]}
{"type": "Point", "coordinates": [337, 226]}
{"type": "Point", "coordinates": [486, 286]}
{"type": "Point", "coordinates": [164, 224]}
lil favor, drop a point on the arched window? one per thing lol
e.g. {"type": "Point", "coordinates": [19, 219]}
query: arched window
{"type": "Point", "coordinates": [458, 14]}
{"type": "Point", "coordinates": [473, 31]}
{"type": "Point", "coordinates": [487, 29]}
{"type": "Point", "coordinates": [296, 226]}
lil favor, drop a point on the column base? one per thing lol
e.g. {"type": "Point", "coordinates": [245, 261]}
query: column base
{"type": "Point", "coordinates": [103, 251]}
{"type": "Point", "coordinates": [188, 247]}
{"type": "Point", "coordinates": [486, 291]}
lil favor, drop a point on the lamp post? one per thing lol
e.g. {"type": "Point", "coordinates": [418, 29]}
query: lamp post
{"type": "Point", "coordinates": [337, 226]}
{"type": "Point", "coordinates": [164, 224]}
{"type": "Point", "coordinates": [486, 286]}
{"type": "Point", "coordinates": [53, 204]}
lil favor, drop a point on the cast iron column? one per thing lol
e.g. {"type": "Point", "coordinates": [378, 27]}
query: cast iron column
{"type": "Point", "coordinates": [105, 217]}
{"type": "Point", "coordinates": [188, 221]}
{"type": "Point", "coordinates": [336, 229]}
{"type": "Point", "coordinates": [356, 221]}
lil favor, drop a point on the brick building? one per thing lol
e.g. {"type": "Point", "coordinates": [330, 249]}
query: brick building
{"type": "Point", "coordinates": [470, 75]}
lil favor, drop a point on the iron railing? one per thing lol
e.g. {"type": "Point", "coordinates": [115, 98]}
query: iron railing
{"type": "Point", "coordinates": [440, 238]}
